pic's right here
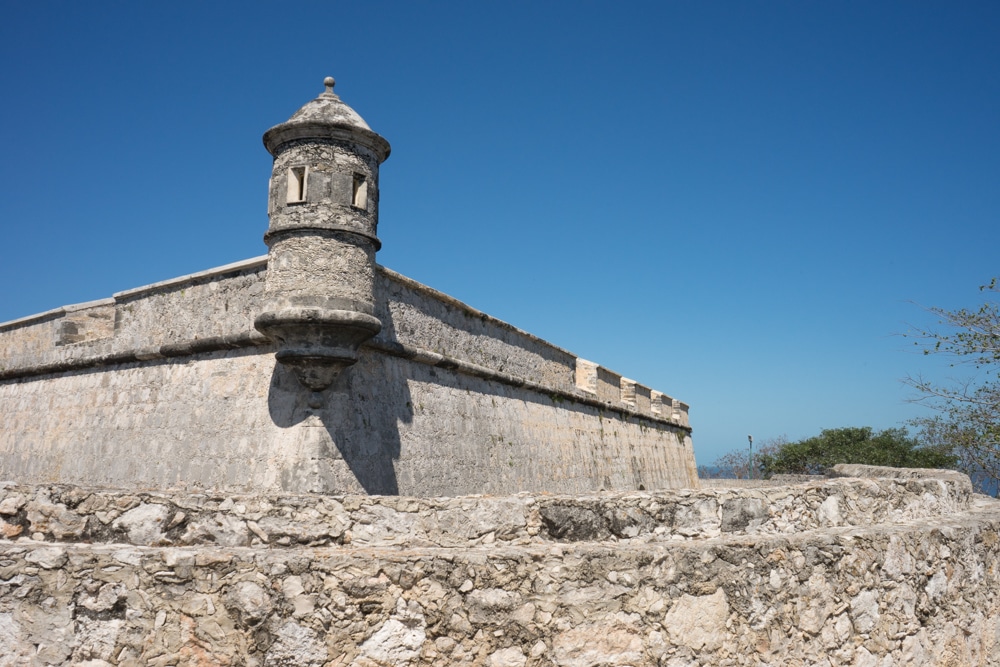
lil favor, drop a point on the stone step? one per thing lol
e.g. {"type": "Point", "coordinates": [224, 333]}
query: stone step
{"type": "Point", "coordinates": [59, 513]}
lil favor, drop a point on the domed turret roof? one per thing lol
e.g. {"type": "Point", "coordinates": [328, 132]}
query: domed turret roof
{"type": "Point", "coordinates": [328, 108]}
{"type": "Point", "coordinates": [326, 117]}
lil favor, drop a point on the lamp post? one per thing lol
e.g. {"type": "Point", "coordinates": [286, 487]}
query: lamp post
{"type": "Point", "coordinates": [750, 438]}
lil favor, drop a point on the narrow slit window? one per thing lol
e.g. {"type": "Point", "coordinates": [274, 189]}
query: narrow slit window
{"type": "Point", "coordinates": [296, 184]}
{"type": "Point", "coordinates": [360, 198]}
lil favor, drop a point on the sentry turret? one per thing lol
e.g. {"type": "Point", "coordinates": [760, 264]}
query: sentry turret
{"type": "Point", "coordinates": [322, 238]}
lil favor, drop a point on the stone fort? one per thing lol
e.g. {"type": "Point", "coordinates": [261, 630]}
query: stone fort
{"type": "Point", "coordinates": [316, 370]}
{"type": "Point", "coordinates": [309, 459]}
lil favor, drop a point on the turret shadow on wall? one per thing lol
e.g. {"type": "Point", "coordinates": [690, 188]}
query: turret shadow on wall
{"type": "Point", "coordinates": [352, 439]}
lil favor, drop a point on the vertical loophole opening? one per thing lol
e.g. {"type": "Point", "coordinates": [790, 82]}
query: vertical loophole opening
{"type": "Point", "coordinates": [360, 196]}
{"type": "Point", "coordinates": [296, 184]}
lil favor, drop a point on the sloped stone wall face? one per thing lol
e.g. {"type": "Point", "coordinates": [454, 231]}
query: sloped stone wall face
{"type": "Point", "coordinates": [907, 573]}
{"type": "Point", "coordinates": [169, 386]}
{"type": "Point", "coordinates": [232, 420]}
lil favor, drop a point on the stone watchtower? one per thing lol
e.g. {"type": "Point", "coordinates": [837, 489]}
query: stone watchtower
{"type": "Point", "coordinates": [323, 211]}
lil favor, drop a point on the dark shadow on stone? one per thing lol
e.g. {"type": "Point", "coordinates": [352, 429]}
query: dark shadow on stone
{"type": "Point", "coordinates": [571, 522]}
{"type": "Point", "coordinates": [360, 414]}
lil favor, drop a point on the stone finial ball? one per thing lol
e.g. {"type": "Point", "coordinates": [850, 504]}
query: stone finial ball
{"type": "Point", "coordinates": [329, 82]}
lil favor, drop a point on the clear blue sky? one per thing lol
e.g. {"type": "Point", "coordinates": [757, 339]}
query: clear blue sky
{"type": "Point", "coordinates": [732, 202]}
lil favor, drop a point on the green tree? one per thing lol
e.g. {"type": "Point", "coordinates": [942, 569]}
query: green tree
{"type": "Point", "coordinates": [892, 447]}
{"type": "Point", "coordinates": [967, 418]}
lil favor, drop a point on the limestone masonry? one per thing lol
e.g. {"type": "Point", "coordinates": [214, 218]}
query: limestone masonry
{"type": "Point", "coordinates": [309, 460]}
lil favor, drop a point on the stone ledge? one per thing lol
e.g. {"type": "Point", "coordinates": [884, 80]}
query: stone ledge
{"type": "Point", "coordinates": [58, 513]}
{"type": "Point", "coordinates": [885, 472]}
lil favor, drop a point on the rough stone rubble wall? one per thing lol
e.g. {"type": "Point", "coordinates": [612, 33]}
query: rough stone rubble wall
{"type": "Point", "coordinates": [72, 514]}
{"type": "Point", "coordinates": [169, 386]}
{"type": "Point", "coordinates": [922, 589]}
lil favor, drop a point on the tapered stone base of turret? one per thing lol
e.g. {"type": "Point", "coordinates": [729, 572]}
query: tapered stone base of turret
{"type": "Point", "coordinates": [317, 344]}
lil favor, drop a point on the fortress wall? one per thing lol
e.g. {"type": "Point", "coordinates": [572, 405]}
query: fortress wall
{"type": "Point", "coordinates": [26, 341]}
{"type": "Point", "coordinates": [496, 582]}
{"type": "Point", "coordinates": [211, 304]}
{"type": "Point", "coordinates": [169, 386]}
{"type": "Point", "coordinates": [222, 303]}
{"type": "Point", "coordinates": [214, 310]}
{"type": "Point", "coordinates": [234, 420]}
{"type": "Point", "coordinates": [217, 303]}
{"type": "Point", "coordinates": [414, 314]}
{"type": "Point", "coordinates": [158, 423]}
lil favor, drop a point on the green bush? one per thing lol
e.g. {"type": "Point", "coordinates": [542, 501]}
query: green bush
{"type": "Point", "coordinates": [892, 447]}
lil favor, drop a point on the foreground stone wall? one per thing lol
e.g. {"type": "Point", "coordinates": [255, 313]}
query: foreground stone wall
{"type": "Point", "coordinates": [70, 513]}
{"type": "Point", "coordinates": [907, 573]}
{"type": "Point", "coordinates": [169, 386]}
